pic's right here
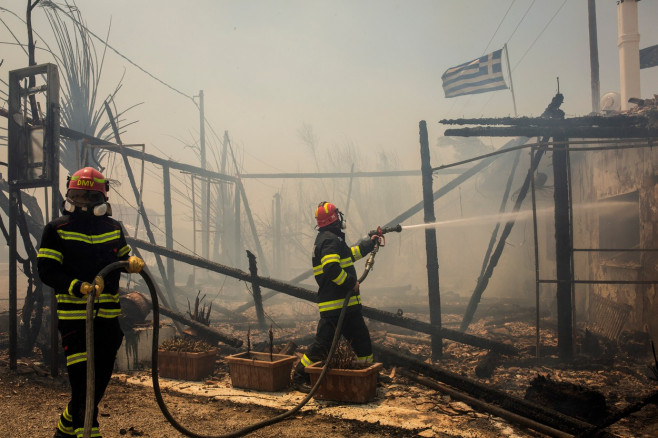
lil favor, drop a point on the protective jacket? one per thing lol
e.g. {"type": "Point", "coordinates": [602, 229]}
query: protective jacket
{"type": "Point", "coordinates": [333, 267]}
{"type": "Point", "coordinates": [74, 248]}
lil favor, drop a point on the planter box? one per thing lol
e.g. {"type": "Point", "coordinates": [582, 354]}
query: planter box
{"type": "Point", "coordinates": [186, 366]}
{"type": "Point", "coordinates": [253, 370]}
{"type": "Point", "coordinates": [355, 386]}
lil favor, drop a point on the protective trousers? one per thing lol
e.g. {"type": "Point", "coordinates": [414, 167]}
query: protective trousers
{"type": "Point", "coordinates": [107, 340]}
{"type": "Point", "coordinates": [354, 330]}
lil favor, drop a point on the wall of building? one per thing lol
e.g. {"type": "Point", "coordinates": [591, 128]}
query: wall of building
{"type": "Point", "coordinates": [617, 191]}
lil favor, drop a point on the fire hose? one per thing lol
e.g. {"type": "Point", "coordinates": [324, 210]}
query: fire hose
{"type": "Point", "coordinates": [378, 237]}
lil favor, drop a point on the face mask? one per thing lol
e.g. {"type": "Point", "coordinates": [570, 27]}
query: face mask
{"type": "Point", "coordinates": [341, 219]}
{"type": "Point", "coordinates": [83, 204]}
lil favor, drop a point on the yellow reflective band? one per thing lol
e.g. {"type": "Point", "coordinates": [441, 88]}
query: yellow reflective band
{"type": "Point", "coordinates": [99, 238]}
{"type": "Point", "coordinates": [337, 304]}
{"type": "Point", "coordinates": [330, 258]}
{"type": "Point", "coordinates": [306, 361]}
{"type": "Point", "coordinates": [341, 278]}
{"type": "Point", "coordinates": [76, 358]}
{"type": "Point", "coordinates": [71, 314]}
{"type": "Point", "coordinates": [95, 433]}
{"type": "Point", "coordinates": [67, 430]}
{"type": "Point", "coordinates": [123, 251]}
{"type": "Point", "coordinates": [70, 288]}
{"type": "Point", "coordinates": [107, 298]}
{"type": "Point", "coordinates": [317, 270]}
{"type": "Point", "coordinates": [365, 359]}
{"type": "Point", "coordinates": [71, 299]}
{"type": "Point", "coordinates": [108, 313]}
{"type": "Point", "coordinates": [98, 180]}
{"type": "Point", "coordinates": [67, 415]}
{"type": "Point", "coordinates": [356, 252]}
{"type": "Point", "coordinates": [344, 263]}
{"type": "Point", "coordinates": [50, 254]}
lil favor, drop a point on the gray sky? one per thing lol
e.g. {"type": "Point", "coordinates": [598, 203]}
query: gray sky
{"type": "Point", "coordinates": [360, 72]}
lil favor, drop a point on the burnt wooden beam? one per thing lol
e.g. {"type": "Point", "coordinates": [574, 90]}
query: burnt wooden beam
{"type": "Point", "coordinates": [258, 301]}
{"type": "Point", "coordinates": [586, 121]}
{"type": "Point", "coordinates": [433, 287]}
{"type": "Point", "coordinates": [563, 245]}
{"type": "Point", "coordinates": [140, 204]}
{"type": "Point", "coordinates": [169, 230]}
{"type": "Point", "coordinates": [305, 294]}
{"type": "Point", "coordinates": [483, 280]}
{"type": "Point", "coordinates": [568, 132]}
{"type": "Point", "coordinates": [430, 329]}
{"type": "Point", "coordinates": [485, 393]}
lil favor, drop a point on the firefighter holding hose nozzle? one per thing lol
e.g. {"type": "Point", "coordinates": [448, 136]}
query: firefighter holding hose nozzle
{"type": "Point", "coordinates": [333, 268]}
{"type": "Point", "coordinates": [74, 248]}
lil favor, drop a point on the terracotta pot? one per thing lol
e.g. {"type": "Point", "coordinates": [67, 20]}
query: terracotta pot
{"type": "Point", "coordinates": [186, 366]}
{"type": "Point", "coordinates": [254, 370]}
{"type": "Point", "coordinates": [355, 386]}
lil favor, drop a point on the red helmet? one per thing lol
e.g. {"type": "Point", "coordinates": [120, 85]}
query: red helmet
{"type": "Point", "coordinates": [90, 179]}
{"type": "Point", "coordinates": [327, 213]}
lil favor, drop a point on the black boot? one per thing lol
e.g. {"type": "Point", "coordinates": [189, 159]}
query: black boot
{"type": "Point", "coordinates": [301, 382]}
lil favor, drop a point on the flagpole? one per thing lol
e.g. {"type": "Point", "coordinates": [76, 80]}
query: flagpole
{"type": "Point", "coordinates": [511, 85]}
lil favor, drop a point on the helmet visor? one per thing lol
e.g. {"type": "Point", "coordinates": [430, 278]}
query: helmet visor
{"type": "Point", "coordinates": [85, 198]}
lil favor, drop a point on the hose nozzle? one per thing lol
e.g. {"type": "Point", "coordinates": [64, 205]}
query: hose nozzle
{"type": "Point", "coordinates": [381, 231]}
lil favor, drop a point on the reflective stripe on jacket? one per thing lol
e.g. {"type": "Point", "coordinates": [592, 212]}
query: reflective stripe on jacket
{"type": "Point", "coordinates": [74, 248]}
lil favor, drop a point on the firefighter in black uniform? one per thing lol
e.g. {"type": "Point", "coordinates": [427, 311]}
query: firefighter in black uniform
{"type": "Point", "coordinates": [333, 268]}
{"type": "Point", "coordinates": [74, 248]}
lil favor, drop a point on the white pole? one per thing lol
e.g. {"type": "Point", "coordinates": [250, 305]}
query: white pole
{"type": "Point", "coordinates": [628, 41]}
{"type": "Point", "coordinates": [511, 85]}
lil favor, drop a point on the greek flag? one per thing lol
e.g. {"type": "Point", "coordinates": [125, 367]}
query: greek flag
{"type": "Point", "coordinates": [477, 76]}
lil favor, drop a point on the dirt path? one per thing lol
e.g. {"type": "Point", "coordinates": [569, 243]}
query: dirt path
{"type": "Point", "coordinates": [30, 406]}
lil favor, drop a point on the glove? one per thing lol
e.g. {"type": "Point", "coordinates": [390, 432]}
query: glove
{"type": "Point", "coordinates": [367, 244]}
{"type": "Point", "coordinates": [87, 288]}
{"type": "Point", "coordinates": [135, 265]}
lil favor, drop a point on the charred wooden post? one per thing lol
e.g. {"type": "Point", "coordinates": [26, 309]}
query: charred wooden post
{"type": "Point", "coordinates": [258, 301]}
{"type": "Point", "coordinates": [277, 252]}
{"type": "Point", "coordinates": [237, 243]}
{"type": "Point", "coordinates": [485, 393]}
{"type": "Point", "coordinates": [169, 230]}
{"type": "Point", "coordinates": [563, 247]}
{"type": "Point", "coordinates": [433, 291]}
